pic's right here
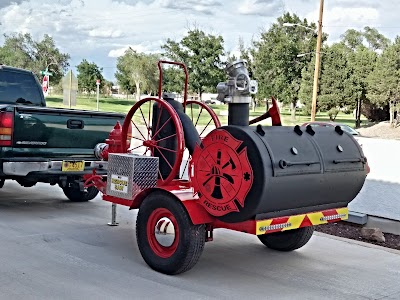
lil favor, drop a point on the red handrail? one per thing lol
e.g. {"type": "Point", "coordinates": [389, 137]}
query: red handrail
{"type": "Point", "coordinates": [161, 76]}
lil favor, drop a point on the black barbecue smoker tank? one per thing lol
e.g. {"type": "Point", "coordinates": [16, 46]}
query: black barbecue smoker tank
{"type": "Point", "coordinates": [295, 169]}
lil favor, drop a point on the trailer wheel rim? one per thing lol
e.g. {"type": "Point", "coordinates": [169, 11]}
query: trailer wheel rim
{"type": "Point", "coordinates": [162, 232]}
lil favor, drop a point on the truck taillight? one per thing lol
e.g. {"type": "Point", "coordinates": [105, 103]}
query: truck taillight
{"type": "Point", "coordinates": [6, 128]}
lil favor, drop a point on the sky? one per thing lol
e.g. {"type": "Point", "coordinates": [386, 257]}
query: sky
{"type": "Point", "coordinates": [101, 30]}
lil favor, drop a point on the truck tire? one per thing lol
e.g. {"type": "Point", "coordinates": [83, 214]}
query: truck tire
{"type": "Point", "coordinates": [74, 193]}
{"type": "Point", "coordinates": [168, 241]}
{"type": "Point", "coordinates": [287, 240]}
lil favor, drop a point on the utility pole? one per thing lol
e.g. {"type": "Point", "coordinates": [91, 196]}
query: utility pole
{"type": "Point", "coordinates": [317, 62]}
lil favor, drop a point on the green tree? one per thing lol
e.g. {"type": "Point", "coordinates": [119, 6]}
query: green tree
{"type": "Point", "coordinates": [47, 55]}
{"type": "Point", "coordinates": [352, 38]}
{"type": "Point", "coordinates": [368, 36]}
{"type": "Point", "coordinates": [275, 63]}
{"type": "Point", "coordinates": [364, 46]}
{"type": "Point", "coordinates": [137, 72]}
{"type": "Point", "coordinates": [361, 62]}
{"type": "Point", "coordinates": [88, 74]}
{"type": "Point", "coordinates": [344, 69]}
{"type": "Point", "coordinates": [21, 51]}
{"type": "Point", "coordinates": [384, 80]}
{"type": "Point", "coordinates": [16, 52]}
{"type": "Point", "coordinates": [123, 78]}
{"type": "Point", "coordinates": [335, 83]}
{"type": "Point", "coordinates": [375, 40]}
{"type": "Point", "coordinates": [202, 54]}
{"type": "Point", "coordinates": [173, 79]}
{"type": "Point", "coordinates": [306, 85]}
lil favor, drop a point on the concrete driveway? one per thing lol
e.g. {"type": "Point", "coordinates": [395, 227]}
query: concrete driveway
{"type": "Point", "coordinates": [380, 195]}
{"type": "Point", "coordinates": [54, 249]}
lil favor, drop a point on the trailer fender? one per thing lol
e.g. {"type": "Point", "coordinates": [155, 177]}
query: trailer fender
{"type": "Point", "coordinates": [198, 215]}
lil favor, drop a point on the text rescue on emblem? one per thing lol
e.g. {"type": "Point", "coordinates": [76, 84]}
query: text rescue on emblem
{"type": "Point", "coordinates": [223, 175]}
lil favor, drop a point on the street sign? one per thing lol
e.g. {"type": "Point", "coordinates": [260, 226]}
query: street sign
{"type": "Point", "coordinates": [46, 73]}
{"type": "Point", "coordinates": [98, 81]}
{"type": "Point", "coordinates": [45, 84]}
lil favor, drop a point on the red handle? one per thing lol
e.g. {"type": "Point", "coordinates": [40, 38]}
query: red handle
{"type": "Point", "coordinates": [161, 77]}
{"type": "Point", "coordinates": [272, 113]}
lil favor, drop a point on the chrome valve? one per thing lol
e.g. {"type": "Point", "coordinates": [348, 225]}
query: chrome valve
{"type": "Point", "coordinates": [239, 87]}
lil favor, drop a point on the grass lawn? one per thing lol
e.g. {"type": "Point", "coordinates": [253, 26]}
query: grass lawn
{"type": "Point", "coordinates": [123, 106]}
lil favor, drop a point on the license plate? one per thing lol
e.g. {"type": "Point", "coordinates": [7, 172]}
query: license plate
{"type": "Point", "coordinates": [73, 165]}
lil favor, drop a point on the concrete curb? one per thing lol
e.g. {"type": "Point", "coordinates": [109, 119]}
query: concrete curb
{"type": "Point", "coordinates": [386, 225]}
{"type": "Point", "coordinates": [359, 243]}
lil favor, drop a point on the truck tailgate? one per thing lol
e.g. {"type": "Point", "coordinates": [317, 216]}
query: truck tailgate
{"type": "Point", "coordinates": [52, 132]}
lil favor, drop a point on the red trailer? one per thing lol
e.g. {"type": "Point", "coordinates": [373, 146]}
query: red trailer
{"type": "Point", "coordinates": [188, 175]}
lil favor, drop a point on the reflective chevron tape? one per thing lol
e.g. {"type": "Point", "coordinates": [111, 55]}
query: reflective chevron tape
{"type": "Point", "coordinates": [297, 221]}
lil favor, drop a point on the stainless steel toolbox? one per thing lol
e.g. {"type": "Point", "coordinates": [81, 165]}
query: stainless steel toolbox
{"type": "Point", "coordinates": [129, 174]}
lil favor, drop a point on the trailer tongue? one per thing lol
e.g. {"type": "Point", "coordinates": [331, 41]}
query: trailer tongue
{"type": "Point", "coordinates": [276, 182]}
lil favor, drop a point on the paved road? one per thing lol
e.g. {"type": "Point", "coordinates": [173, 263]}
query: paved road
{"type": "Point", "coordinates": [53, 249]}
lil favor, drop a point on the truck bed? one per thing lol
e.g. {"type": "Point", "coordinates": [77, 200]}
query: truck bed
{"type": "Point", "coordinates": [54, 132]}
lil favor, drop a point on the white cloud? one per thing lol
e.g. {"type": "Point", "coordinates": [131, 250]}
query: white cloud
{"type": "Point", "coordinates": [266, 8]}
{"type": "Point", "coordinates": [105, 33]}
{"type": "Point", "coordinates": [352, 16]}
{"type": "Point", "coordinates": [141, 48]}
{"type": "Point", "coordinates": [337, 19]}
{"type": "Point", "coordinates": [100, 30]}
{"type": "Point", "coordinates": [357, 3]}
{"type": "Point", "coordinates": [117, 52]}
{"type": "Point", "coordinates": [202, 6]}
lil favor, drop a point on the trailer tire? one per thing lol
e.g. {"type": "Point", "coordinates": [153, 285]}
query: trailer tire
{"type": "Point", "coordinates": [74, 193]}
{"type": "Point", "coordinates": [287, 240]}
{"type": "Point", "coordinates": [163, 219]}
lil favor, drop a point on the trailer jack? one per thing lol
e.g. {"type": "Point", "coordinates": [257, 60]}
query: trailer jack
{"type": "Point", "coordinates": [209, 233]}
{"type": "Point", "coordinates": [113, 216]}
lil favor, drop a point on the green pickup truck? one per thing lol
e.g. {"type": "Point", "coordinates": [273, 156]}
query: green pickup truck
{"type": "Point", "coordinates": [51, 145]}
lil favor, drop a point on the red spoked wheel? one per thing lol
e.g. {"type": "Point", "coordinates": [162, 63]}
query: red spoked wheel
{"type": "Point", "coordinates": [167, 239]}
{"type": "Point", "coordinates": [195, 109]}
{"type": "Point", "coordinates": [204, 119]}
{"type": "Point", "coordinates": [149, 135]}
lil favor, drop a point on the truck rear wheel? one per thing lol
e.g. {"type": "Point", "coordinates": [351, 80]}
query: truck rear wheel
{"type": "Point", "coordinates": [287, 240]}
{"type": "Point", "coordinates": [168, 241]}
{"type": "Point", "coordinates": [74, 193]}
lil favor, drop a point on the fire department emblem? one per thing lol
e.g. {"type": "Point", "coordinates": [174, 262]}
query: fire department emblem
{"type": "Point", "coordinates": [221, 173]}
